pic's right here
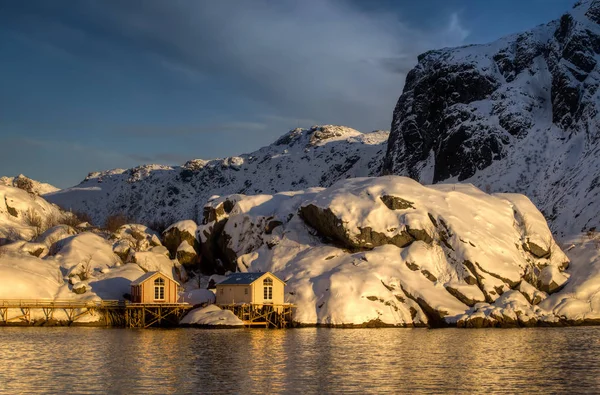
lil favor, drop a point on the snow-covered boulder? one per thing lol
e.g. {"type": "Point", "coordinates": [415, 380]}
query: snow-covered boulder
{"type": "Point", "coordinates": [35, 249]}
{"type": "Point", "coordinates": [579, 299]}
{"type": "Point", "coordinates": [139, 237]}
{"type": "Point", "coordinates": [24, 215]}
{"type": "Point", "coordinates": [186, 254]}
{"type": "Point", "coordinates": [55, 234]}
{"type": "Point", "coordinates": [27, 277]}
{"type": "Point", "coordinates": [151, 261]}
{"type": "Point", "coordinates": [211, 316]}
{"type": "Point", "coordinates": [345, 265]}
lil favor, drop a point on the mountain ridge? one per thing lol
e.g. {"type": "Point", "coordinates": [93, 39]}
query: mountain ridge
{"type": "Point", "coordinates": [299, 159]}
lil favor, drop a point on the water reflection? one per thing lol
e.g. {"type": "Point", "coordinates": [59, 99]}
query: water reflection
{"type": "Point", "coordinates": [91, 360]}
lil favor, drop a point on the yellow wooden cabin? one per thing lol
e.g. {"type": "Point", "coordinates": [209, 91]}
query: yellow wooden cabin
{"type": "Point", "coordinates": [251, 288]}
{"type": "Point", "coordinates": [154, 287]}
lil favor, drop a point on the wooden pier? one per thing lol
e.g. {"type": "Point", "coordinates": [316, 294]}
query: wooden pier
{"type": "Point", "coordinates": [263, 315]}
{"type": "Point", "coordinates": [110, 312]}
{"type": "Point", "coordinates": [143, 315]}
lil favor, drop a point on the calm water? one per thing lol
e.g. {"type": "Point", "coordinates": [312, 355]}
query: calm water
{"type": "Point", "coordinates": [93, 360]}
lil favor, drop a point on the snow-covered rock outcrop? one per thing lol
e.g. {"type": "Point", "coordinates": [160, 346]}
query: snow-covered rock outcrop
{"type": "Point", "coordinates": [71, 263]}
{"type": "Point", "coordinates": [24, 215]}
{"type": "Point", "coordinates": [388, 249]}
{"type": "Point", "coordinates": [27, 184]}
{"type": "Point", "coordinates": [519, 114]}
{"type": "Point", "coordinates": [300, 159]}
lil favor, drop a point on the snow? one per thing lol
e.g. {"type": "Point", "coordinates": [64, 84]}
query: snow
{"type": "Point", "coordinates": [27, 277]}
{"type": "Point", "coordinates": [150, 261]}
{"type": "Point", "coordinates": [15, 206]}
{"type": "Point", "coordinates": [212, 316]}
{"type": "Point", "coordinates": [186, 247]}
{"type": "Point", "coordinates": [188, 226]}
{"type": "Point", "coordinates": [580, 298]}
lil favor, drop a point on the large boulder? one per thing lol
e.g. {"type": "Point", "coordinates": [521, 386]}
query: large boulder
{"type": "Point", "coordinates": [187, 255]}
{"type": "Point", "coordinates": [179, 232]}
{"type": "Point", "coordinates": [139, 237]}
{"type": "Point", "coordinates": [464, 251]}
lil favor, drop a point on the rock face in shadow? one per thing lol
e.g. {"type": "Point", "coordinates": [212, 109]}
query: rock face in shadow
{"type": "Point", "coordinates": [329, 226]}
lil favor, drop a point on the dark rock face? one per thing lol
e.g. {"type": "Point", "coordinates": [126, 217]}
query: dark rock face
{"type": "Point", "coordinates": [433, 100]}
{"type": "Point", "coordinates": [174, 236]}
{"type": "Point", "coordinates": [396, 203]}
{"type": "Point", "coordinates": [329, 225]}
{"type": "Point", "coordinates": [519, 114]}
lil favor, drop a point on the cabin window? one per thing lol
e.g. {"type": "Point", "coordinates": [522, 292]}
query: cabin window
{"type": "Point", "coordinates": [268, 288]}
{"type": "Point", "coordinates": [246, 291]}
{"type": "Point", "coordinates": [159, 289]}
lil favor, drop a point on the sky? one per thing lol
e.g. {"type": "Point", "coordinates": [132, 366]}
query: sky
{"type": "Point", "coordinates": [91, 85]}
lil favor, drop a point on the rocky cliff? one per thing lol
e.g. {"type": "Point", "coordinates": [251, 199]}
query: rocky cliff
{"type": "Point", "coordinates": [519, 114]}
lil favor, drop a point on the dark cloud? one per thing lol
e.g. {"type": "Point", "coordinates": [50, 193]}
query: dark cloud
{"type": "Point", "coordinates": [319, 59]}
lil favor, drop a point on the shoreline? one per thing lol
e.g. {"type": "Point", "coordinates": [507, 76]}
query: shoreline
{"type": "Point", "coordinates": [367, 325]}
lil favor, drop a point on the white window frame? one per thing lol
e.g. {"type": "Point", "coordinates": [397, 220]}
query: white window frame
{"type": "Point", "coordinates": [268, 289]}
{"type": "Point", "coordinates": [159, 289]}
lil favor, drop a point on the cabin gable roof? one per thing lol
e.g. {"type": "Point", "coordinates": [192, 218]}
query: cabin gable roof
{"type": "Point", "coordinates": [247, 278]}
{"type": "Point", "coordinates": [149, 275]}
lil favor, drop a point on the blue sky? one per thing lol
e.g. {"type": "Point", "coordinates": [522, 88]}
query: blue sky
{"type": "Point", "coordinates": [93, 85]}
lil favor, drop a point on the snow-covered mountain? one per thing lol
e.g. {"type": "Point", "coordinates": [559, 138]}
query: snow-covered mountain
{"type": "Point", "coordinates": [300, 159]}
{"type": "Point", "coordinates": [519, 115]}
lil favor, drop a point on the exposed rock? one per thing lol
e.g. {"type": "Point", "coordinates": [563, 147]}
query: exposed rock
{"type": "Point", "coordinates": [396, 203]}
{"type": "Point", "coordinates": [537, 250]}
{"type": "Point", "coordinates": [429, 276]}
{"type": "Point", "coordinates": [187, 255]}
{"type": "Point", "coordinates": [272, 225]}
{"type": "Point", "coordinates": [140, 237]}
{"type": "Point", "coordinates": [123, 250]}
{"type": "Point", "coordinates": [420, 234]}
{"type": "Point", "coordinates": [330, 226]}
{"type": "Point", "coordinates": [79, 288]}
{"type": "Point", "coordinates": [179, 232]}
{"type": "Point", "coordinates": [552, 279]}
{"type": "Point", "coordinates": [455, 291]}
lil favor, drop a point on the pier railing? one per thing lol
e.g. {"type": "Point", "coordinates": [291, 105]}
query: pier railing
{"type": "Point", "coordinates": [60, 303]}
{"type": "Point", "coordinates": [112, 312]}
